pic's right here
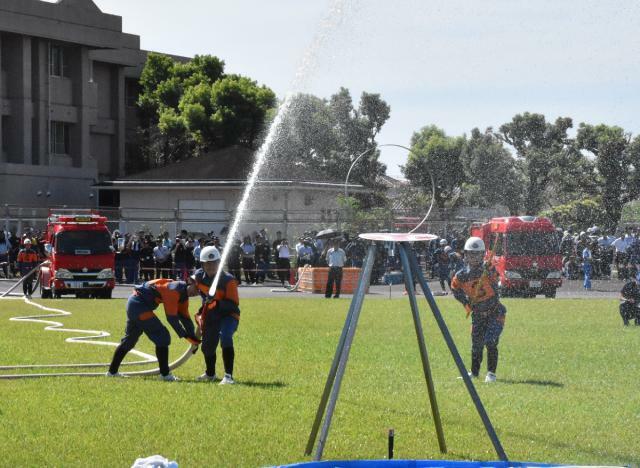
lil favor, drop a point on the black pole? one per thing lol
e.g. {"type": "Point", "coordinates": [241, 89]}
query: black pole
{"type": "Point", "coordinates": [458, 360]}
{"type": "Point", "coordinates": [390, 446]}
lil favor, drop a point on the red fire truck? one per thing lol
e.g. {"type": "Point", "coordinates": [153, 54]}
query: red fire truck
{"type": "Point", "coordinates": [526, 253]}
{"type": "Point", "coordinates": [81, 257]}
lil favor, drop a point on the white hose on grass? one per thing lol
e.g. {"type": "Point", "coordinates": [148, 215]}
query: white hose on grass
{"type": "Point", "coordinates": [92, 337]}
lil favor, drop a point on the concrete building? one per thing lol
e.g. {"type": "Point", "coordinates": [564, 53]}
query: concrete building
{"type": "Point", "coordinates": [68, 88]}
{"type": "Point", "coordinates": [202, 194]}
{"type": "Point", "coordinates": [68, 84]}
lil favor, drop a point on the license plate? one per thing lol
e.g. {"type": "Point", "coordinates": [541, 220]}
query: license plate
{"type": "Point", "coordinates": [535, 284]}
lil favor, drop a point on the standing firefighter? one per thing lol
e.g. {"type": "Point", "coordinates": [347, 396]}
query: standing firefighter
{"type": "Point", "coordinates": [441, 262]}
{"type": "Point", "coordinates": [219, 315]}
{"type": "Point", "coordinates": [27, 261]}
{"type": "Point", "coordinates": [475, 286]}
{"type": "Point", "coordinates": [630, 301]}
{"type": "Point", "coordinates": [141, 319]}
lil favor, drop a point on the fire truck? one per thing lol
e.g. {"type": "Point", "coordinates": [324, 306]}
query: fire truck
{"type": "Point", "coordinates": [526, 253]}
{"type": "Point", "coordinates": [81, 257]}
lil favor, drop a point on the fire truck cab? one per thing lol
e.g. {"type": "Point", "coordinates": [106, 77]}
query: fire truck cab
{"type": "Point", "coordinates": [81, 257]}
{"type": "Point", "coordinates": [526, 253]}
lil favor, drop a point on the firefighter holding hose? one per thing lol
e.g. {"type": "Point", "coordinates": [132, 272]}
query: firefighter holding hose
{"type": "Point", "coordinates": [174, 295]}
{"type": "Point", "coordinates": [476, 287]}
{"type": "Point", "coordinates": [219, 315]}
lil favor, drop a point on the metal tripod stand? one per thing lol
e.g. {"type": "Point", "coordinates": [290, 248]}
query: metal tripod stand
{"type": "Point", "coordinates": [334, 380]}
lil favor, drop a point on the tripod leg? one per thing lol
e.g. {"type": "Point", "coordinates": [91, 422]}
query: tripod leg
{"type": "Point", "coordinates": [349, 324]}
{"type": "Point", "coordinates": [408, 282]}
{"type": "Point", "coordinates": [458, 360]}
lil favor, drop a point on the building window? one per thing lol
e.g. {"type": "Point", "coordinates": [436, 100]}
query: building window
{"type": "Point", "coordinates": [5, 134]}
{"type": "Point", "coordinates": [131, 92]}
{"type": "Point", "coordinates": [59, 137]}
{"type": "Point", "coordinates": [308, 200]}
{"type": "Point", "coordinates": [58, 61]}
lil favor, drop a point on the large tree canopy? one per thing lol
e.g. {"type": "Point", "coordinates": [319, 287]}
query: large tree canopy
{"type": "Point", "coordinates": [539, 147]}
{"type": "Point", "coordinates": [320, 139]}
{"type": "Point", "coordinates": [492, 174]}
{"type": "Point", "coordinates": [617, 159]}
{"type": "Point", "coordinates": [193, 107]}
{"type": "Point", "coordinates": [438, 156]}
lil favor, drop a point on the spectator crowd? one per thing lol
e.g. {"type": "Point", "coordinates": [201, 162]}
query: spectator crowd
{"type": "Point", "coordinates": [256, 257]}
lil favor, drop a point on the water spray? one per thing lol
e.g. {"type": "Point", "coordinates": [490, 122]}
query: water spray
{"type": "Point", "coordinates": [309, 61]}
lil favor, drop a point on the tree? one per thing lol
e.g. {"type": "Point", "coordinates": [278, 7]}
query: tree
{"type": "Point", "coordinates": [539, 146]}
{"type": "Point", "coordinates": [581, 214]}
{"type": "Point", "coordinates": [189, 108]}
{"type": "Point", "coordinates": [434, 154]}
{"type": "Point", "coordinates": [321, 138]}
{"type": "Point", "coordinates": [573, 178]}
{"type": "Point", "coordinates": [617, 159]}
{"type": "Point", "coordinates": [492, 173]}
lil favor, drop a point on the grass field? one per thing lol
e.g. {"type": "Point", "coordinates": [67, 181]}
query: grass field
{"type": "Point", "coordinates": [567, 389]}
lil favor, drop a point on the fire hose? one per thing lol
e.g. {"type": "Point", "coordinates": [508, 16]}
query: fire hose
{"type": "Point", "coordinates": [294, 287]}
{"type": "Point", "coordinates": [93, 336]}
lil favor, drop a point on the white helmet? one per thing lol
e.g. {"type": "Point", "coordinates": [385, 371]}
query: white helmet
{"type": "Point", "coordinates": [447, 249]}
{"type": "Point", "coordinates": [443, 241]}
{"type": "Point", "coordinates": [474, 244]}
{"type": "Point", "coordinates": [27, 241]}
{"type": "Point", "coordinates": [209, 254]}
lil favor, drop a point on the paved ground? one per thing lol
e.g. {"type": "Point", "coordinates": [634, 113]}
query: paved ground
{"type": "Point", "coordinates": [570, 289]}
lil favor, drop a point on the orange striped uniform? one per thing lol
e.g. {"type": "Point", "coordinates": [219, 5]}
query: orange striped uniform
{"type": "Point", "coordinates": [173, 295]}
{"type": "Point", "coordinates": [27, 260]}
{"type": "Point", "coordinates": [226, 300]}
{"type": "Point", "coordinates": [476, 287]}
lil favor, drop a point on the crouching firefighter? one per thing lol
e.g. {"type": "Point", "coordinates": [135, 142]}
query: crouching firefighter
{"type": "Point", "coordinates": [630, 301]}
{"type": "Point", "coordinates": [174, 295]}
{"type": "Point", "coordinates": [475, 286]}
{"type": "Point", "coordinates": [219, 315]}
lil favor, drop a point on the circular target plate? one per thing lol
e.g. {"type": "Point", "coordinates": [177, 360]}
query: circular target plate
{"type": "Point", "coordinates": [397, 236]}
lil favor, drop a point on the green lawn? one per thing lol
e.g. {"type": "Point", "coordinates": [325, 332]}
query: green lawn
{"type": "Point", "coordinates": [567, 390]}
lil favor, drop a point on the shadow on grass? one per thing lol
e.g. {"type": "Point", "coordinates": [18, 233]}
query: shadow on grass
{"type": "Point", "coordinates": [543, 383]}
{"type": "Point", "coordinates": [244, 383]}
{"type": "Point", "coordinates": [253, 383]}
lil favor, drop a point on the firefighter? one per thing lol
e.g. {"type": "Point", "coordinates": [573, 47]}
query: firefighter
{"type": "Point", "coordinates": [27, 261]}
{"type": "Point", "coordinates": [174, 295]}
{"type": "Point", "coordinates": [219, 315]}
{"type": "Point", "coordinates": [630, 301]}
{"type": "Point", "coordinates": [441, 261]}
{"type": "Point", "coordinates": [475, 286]}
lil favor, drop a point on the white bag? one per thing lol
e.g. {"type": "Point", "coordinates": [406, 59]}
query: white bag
{"type": "Point", "coordinates": [154, 461]}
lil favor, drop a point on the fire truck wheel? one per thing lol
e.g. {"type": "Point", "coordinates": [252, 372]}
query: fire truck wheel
{"type": "Point", "coordinates": [106, 294]}
{"type": "Point", "coordinates": [55, 294]}
{"type": "Point", "coordinates": [551, 294]}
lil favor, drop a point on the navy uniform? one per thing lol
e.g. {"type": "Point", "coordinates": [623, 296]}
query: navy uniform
{"type": "Point", "coordinates": [629, 302]}
{"type": "Point", "coordinates": [27, 261]}
{"type": "Point", "coordinates": [141, 319]}
{"type": "Point", "coordinates": [218, 318]}
{"type": "Point", "coordinates": [476, 288]}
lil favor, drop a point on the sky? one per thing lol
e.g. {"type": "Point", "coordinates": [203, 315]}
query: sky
{"type": "Point", "coordinates": [458, 64]}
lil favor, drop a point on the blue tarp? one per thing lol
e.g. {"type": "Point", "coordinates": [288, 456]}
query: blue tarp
{"type": "Point", "coordinates": [411, 464]}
